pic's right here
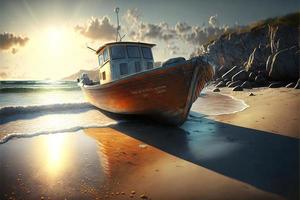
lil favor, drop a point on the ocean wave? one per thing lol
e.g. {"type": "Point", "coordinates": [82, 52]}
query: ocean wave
{"type": "Point", "coordinates": [67, 130]}
{"type": "Point", "coordinates": [36, 89]}
{"type": "Point", "coordinates": [49, 108]}
{"type": "Point", "coordinates": [36, 82]}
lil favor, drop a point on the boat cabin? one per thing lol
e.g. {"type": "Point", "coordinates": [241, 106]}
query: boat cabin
{"type": "Point", "coordinates": [121, 59]}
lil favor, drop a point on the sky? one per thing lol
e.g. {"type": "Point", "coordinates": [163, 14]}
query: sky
{"type": "Point", "coordinates": [47, 39]}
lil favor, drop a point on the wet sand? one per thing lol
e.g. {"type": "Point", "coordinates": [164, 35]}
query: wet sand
{"type": "Point", "coordinates": [272, 110]}
{"type": "Point", "coordinates": [228, 156]}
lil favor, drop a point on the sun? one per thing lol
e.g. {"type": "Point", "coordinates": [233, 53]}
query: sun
{"type": "Point", "coordinates": [55, 38]}
{"type": "Point", "coordinates": [55, 34]}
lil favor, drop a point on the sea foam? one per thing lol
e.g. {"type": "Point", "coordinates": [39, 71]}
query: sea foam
{"type": "Point", "coordinates": [66, 130]}
{"type": "Point", "coordinates": [49, 108]}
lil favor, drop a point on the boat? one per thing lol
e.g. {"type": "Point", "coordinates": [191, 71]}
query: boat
{"type": "Point", "coordinates": [129, 83]}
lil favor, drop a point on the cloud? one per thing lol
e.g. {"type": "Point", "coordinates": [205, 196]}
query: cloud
{"type": "Point", "coordinates": [98, 29]}
{"type": "Point", "coordinates": [213, 21]}
{"type": "Point", "coordinates": [132, 16]}
{"type": "Point", "coordinates": [194, 35]}
{"type": "Point", "coordinates": [9, 40]}
{"type": "Point", "coordinates": [182, 27]}
{"type": "Point", "coordinates": [173, 35]}
{"type": "Point", "coordinates": [173, 49]}
{"type": "Point", "coordinates": [139, 30]}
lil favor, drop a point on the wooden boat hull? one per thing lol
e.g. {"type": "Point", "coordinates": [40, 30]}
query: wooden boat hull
{"type": "Point", "coordinates": [165, 94]}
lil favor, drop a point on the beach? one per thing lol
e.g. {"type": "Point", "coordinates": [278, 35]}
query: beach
{"type": "Point", "coordinates": [232, 146]}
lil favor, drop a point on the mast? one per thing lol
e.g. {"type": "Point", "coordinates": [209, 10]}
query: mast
{"type": "Point", "coordinates": [118, 35]}
{"type": "Point", "coordinates": [118, 25]}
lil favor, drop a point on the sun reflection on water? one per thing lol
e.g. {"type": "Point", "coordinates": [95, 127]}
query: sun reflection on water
{"type": "Point", "coordinates": [55, 152]}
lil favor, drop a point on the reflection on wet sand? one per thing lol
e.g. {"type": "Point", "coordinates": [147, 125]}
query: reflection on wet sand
{"type": "Point", "coordinates": [56, 148]}
{"type": "Point", "coordinates": [128, 160]}
{"type": "Point", "coordinates": [58, 166]}
{"type": "Point", "coordinates": [137, 169]}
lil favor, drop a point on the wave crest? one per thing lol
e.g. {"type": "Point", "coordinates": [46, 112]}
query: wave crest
{"type": "Point", "coordinates": [67, 130]}
{"type": "Point", "coordinates": [50, 108]}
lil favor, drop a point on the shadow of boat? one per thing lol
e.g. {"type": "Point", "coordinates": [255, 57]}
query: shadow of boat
{"type": "Point", "coordinates": [267, 161]}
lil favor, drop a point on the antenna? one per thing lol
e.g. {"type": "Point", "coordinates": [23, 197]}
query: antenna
{"type": "Point", "coordinates": [90, 47]}
{"type": "Point", "coordinates": [118, 35]}
{"type": "Point", "coordinates": [118, 26]}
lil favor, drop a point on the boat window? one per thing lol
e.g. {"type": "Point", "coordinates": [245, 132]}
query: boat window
{"type": "Point", "coordinates": [133, 52]}
{"type": "Point", "coordinates": [137, 66]}
{"type": "Point", "coordinates": [147, 52]}
{"type": "Point", "coordinates": [149, 65]}
{"type": "Point", "coordinates": [100, 59]}
{"type": "Point", "coordinates": [123, 69]}
{"type": "Point", "coordinates": [117, 52]}
{"type": "Point", "coordinates": [105, 55]}
{"type": "Point", "coordinates": [103, 76]}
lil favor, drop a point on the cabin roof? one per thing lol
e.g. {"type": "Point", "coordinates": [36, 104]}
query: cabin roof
{"type": "Point", "coordinates": [113, 43]}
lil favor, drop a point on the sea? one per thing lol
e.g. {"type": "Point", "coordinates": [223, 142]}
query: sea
{"type": "Point", "coordinates": [36, 107]}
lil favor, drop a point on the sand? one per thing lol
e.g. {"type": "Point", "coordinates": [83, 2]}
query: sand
{"type": "Point", "coordinates": [275, 110]}
{"type": "Point", "coordinates": [139, 169]}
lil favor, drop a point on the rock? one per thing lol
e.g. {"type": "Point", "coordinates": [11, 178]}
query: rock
{"type": "Point", "coordinates": [226, 80]}
{"type": "Point", "coordinates": [241, 75]}
{"type": "Point", "coordinates": [251, 94]}
{"type": "Point", "coordinates": [290, 85]}
{"type": "Point", "coordinates": [246, 85]}
{"type": "Point", "coordinates": [269, 62]}
{"type": "Point", "coordinates": [257, 59]}
{"type": "Point", "coordinates": [228, 83]}
{"type": "Point", "coordinates": [221, 84]}
{"type": "Point", "coordinates": [237, 88]}
{"type": "Point", "coordinates": [264, 73]}
{"type": "Point", "coordinates": [235, 83]}
{"type": "Point", "coordinates": [231, 72]}
{"type": "Point", "coordinates": [218, 80]}
{"type": "Point", "coordinates": [220, 71]}
{"type": "Point", "coordinates": [297, 86]}
{"type": "Point", "coordinates": [285, 65]}
{"type": "Point", "coordinates": [263, 40]}
{"type": "Point", "coordinates": [216, 90]}
{"type": "Point", "coordinates": [252, 76]}
{"type": "Point", "coordinates": [260, 80]}
{"type": "Point", "coordinates": [276, 85]}
{"type": "Point", "coordinates": [282, 37]}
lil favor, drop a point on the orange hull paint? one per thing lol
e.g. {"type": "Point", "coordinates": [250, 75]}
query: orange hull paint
{"type": "Point", "coordinates": [165, 94]}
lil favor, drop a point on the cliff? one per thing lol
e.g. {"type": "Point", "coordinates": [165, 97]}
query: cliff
{"type": "Point", "coordinates": [261, 53]}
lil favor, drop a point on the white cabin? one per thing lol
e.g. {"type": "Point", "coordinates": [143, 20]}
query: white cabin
{"type": "Point", "coordinates": [121, 59]}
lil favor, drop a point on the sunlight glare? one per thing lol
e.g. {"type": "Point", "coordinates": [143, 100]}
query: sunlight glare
{"type": "Point", "coordinates": [55, 37]}
{"type": "Point", "coordinates": [55, 148]}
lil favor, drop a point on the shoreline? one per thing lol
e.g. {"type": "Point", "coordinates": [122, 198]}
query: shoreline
{"type": "Point", "coordinates": [272, 110]}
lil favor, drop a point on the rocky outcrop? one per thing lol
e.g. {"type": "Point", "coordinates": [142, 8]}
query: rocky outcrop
{"type": "Point", "coordinates": [259, 54]}
{"type": "Point", "coordinates": [229, 74]}
{"type": "Point", "coordinates": [237, 88]}
{"type": "Point", "coordinates": [284, 65]}
{"type": "Point", "coordinates": [297, 86]}
{"type": "Point", "coordinates": [246, 85]}
{"type": "Point", "coordinates": [241, 75]}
